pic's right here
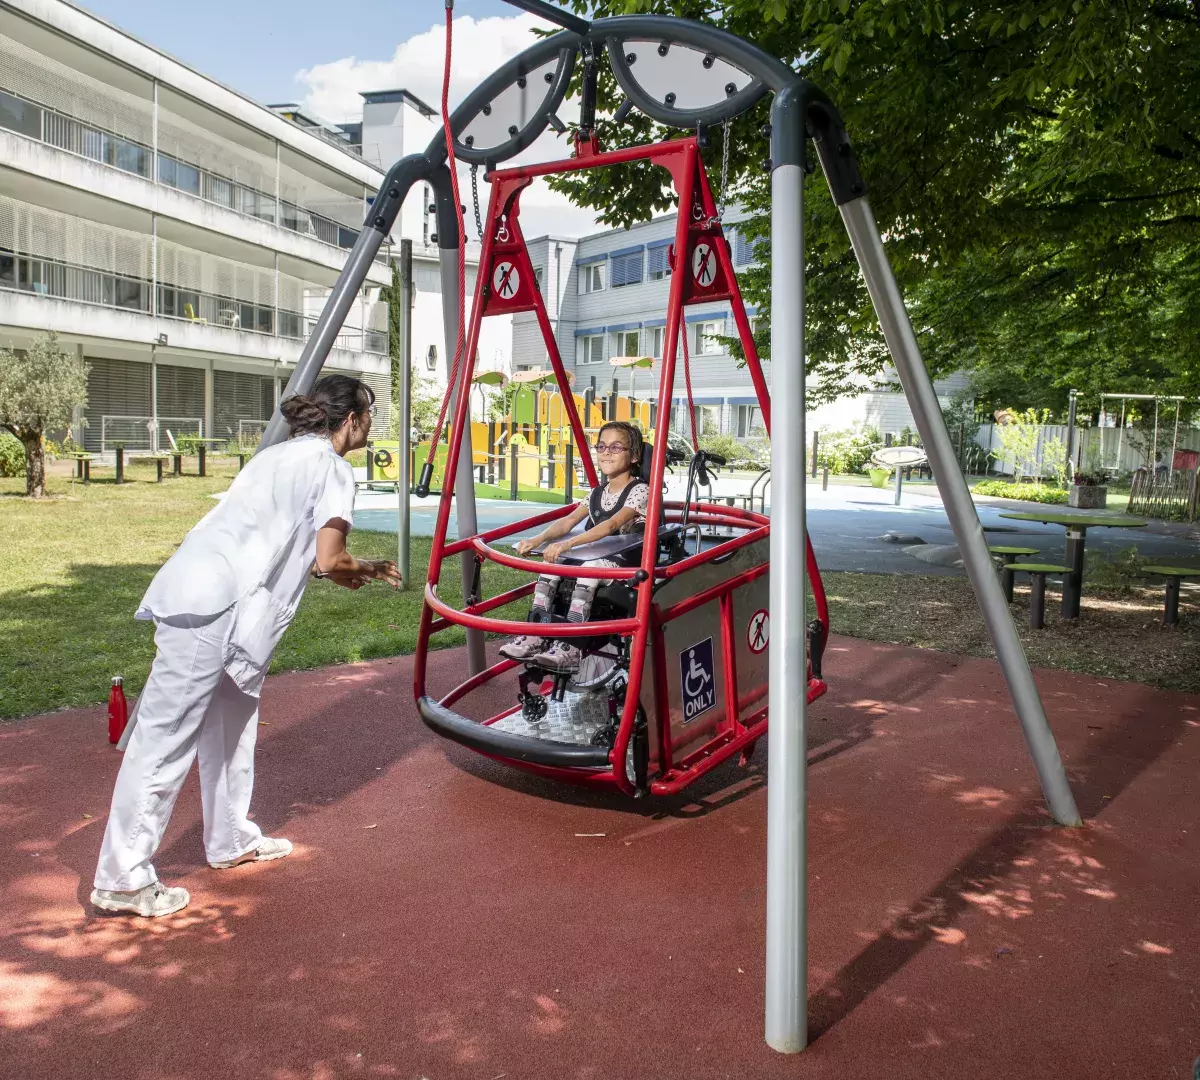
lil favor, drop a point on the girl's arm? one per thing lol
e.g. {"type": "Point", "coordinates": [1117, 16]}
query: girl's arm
{"type": "Point", "coordinates": [597, 532]}
{"type": "Point", "coordinates": [554, 530]}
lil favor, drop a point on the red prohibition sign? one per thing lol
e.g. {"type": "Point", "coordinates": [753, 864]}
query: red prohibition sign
{"type": "Point", "coordinates": [758, 631]}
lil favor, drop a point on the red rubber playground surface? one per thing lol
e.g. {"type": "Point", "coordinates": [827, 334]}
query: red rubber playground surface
{"type": "Point", "coordinates": [444, 917]}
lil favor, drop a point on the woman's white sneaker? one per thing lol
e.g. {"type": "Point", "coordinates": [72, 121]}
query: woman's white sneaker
{"type": "Point", "coordinates": [151, 900]}
{"type": "Point", "coordinates": [268, 848]}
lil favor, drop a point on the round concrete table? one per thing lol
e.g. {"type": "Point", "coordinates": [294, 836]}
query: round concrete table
{"type": "Point", "coordinates": [1077, 526]}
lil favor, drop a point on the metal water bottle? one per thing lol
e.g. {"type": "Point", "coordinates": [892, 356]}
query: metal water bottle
{"type": "Point", "coordinates": [118, 710]}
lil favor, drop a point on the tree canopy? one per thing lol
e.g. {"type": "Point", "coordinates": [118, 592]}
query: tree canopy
{"type": "Point", "coordinates": [1034, 168]}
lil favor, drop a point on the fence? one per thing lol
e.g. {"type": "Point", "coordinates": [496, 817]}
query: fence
{"type": "Point", "coordinates": [249, 432]}
{"type": "Point", "coordinates": [1121, 454]}
{"type": "Point", "coordinates": [142, 432]}
{"type": "Point", "coordinates": [1172, 495]}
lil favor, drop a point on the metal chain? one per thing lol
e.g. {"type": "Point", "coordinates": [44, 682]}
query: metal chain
{"type": "Point", "coordinates": [724, 172]}
{"type": "Point", "coordinates": [475, 196]}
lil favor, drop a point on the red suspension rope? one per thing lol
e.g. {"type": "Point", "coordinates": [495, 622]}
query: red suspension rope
{"type": "Point", "coordinates": [460, 344]}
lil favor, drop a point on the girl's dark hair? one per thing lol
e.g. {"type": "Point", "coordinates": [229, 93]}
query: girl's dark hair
{"type": "Point", "coordinates": [633, 436]}
{"type": "Point", "coordinates": [325, 410]}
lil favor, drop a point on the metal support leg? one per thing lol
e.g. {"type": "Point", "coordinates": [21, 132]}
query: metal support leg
{"type": "Point", "coordinates": [899, 485]}
{"type": "Point", "coordinates": [1006, 578]}
{"type": "Point", "coordinates": [464, 478]}
{"type": "Point", "coordinates": [404, 431]}
{"type": "Point", "coordinates": [787, 916]}
{"type": "Point", "coordinates": [918, 388]}
{"type": "Point", "coordinates": [1073, 582]}
{"type": "Point", "coordinates": [1171, 602]}
{"type": "Point", "coordinates": [1037, 601]}
{"type": "Point", "coordinates": [201, 452]}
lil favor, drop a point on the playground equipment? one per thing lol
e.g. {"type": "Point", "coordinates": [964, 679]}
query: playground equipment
{"type": "Point", "coordinates": [488, 378]}
{"type": "Point", "coordinates": [633, 363]}
{"type": "Point", "coordinates": [899, 458]}
{"type": "Point", "coordinates": [1151, 455]}
{"type": "Point", "coordinates": [688, 633]}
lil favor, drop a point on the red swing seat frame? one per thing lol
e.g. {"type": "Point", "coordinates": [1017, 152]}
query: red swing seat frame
{"type": "Point", "coordinates": [702, 272]}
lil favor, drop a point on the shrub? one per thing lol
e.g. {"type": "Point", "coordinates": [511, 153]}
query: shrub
{"type": "Point", "coordinates": [847, 451]}
{"type": "Point", "coordinates": [732, 450]}
{"type": "Point", "coordinates": [1004, 489]}
{"type": "Point", "coordinates": [12, 455]}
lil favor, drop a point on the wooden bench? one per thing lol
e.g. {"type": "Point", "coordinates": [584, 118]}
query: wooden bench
{"type": "Point", "coordinates": [1037, 588]}
{"type": "Point", "coordinates": [1175, 576]}
{"type": "Point", "coordinates": [1009, 556]}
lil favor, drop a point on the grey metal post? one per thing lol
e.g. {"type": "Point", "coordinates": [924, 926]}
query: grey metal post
{"type": "Point", "coordinates": [816, 440]}
{"type": "Point", "coordinates": [899, 485]}
{"type": "Point", "coordinates": [464, 477]}
{"type": "Point", "coordinates": [786, 1020]}
{"type": "Point", "coordinates": [329, 325]}
{"type": "Point", "coordinates": [404, 453]}
{"type": "Point", "coordinates": [1072, 403]}
{"type": "Point", "coordinates": [918, 388]}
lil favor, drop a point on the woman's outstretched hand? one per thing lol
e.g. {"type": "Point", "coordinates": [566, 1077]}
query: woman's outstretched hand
{"type": "Point", "coordinates": [383, 570]}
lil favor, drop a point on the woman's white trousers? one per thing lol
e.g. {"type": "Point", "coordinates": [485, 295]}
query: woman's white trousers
{"type": "Point", "coordinates": [189, 708]}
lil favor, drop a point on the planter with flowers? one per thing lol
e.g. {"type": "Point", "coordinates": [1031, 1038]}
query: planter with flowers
{"type": "Point", "coordinates": [1089, 491]}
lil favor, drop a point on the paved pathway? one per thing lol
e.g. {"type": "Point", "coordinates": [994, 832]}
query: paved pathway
{"type": "Point", "coordinates": [845, 522]}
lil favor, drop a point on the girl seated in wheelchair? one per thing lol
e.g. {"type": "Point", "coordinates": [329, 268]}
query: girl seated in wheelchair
{"type": "Point", "coordinates": [616, 506]}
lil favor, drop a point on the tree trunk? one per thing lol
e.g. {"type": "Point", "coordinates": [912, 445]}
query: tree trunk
{"type": "Point", "coordinates": [35, 465]}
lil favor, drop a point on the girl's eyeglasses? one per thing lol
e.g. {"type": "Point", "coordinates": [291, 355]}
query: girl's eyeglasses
{"type": "Point", "coordinates": [610, 447]}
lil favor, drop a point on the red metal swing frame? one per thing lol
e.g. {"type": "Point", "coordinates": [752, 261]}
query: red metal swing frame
{"type": "Point", "coordinates": [503, 250]}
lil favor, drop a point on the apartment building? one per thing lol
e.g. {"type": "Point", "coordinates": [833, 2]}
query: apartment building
{"type": "Point", "coordinates": [606, 296]}
{"type": "Point", "coordinates": [183, 238]}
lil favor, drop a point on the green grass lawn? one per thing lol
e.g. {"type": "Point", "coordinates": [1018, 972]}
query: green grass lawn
{"type": "Point", "coordinates": [74, 566]}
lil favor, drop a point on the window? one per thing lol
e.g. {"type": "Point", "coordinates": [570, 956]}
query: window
{"type": "Point", "coordinates": [431, 358]}
{"type": "Point", "coordinates": [591, 277]}
{"type": "Point", "coordinates": [745, 250]}
{"type": "Point", "coordinates": [178, 174]}
{"type": "Point", "coordinates": [627, 269]}
{"type": "Point", "coordinates": [707, 334]}
{"type": "Point", "coordinates": [750, 422]}
{"type": "Point", "coordinates": [657, 337]}
{"type": "Point", "coordinates": [656, 263]}
{"type": "Point", "coordinates": [537, 278]}
{"type": "Point", "coordinates": [20, 116]}
{"type": "Point", "coordinates": [625, 342]}
{"type": "Point", "coordinates": [592, 349]}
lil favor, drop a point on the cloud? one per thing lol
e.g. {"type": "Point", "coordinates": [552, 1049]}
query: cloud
{"type": "Point", "coordinates": [331, 91]}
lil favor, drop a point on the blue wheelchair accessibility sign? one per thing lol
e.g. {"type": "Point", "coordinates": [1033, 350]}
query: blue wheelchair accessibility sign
{"type": "Point", "coordinates": [697, 677]}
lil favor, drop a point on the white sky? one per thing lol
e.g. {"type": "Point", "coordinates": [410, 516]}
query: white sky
{"type": "Point", "coordinates": [331, 92]}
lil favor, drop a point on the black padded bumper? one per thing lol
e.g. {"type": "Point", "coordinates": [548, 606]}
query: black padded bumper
{"type": "Point", "coordinates": [504, 744]}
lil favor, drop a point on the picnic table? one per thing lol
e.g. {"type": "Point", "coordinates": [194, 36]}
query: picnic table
{"type": "Point", "coordinates": [83, 465]}
{"type": "Point", "coordinates": [1077, 526]}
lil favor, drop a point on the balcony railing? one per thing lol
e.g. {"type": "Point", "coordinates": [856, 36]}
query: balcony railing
{"type": "Point", "coordinates": [76, 137]}
{"type": "Point", "coordinates": [64, 281]}
{"type": "Point", "coordinates": [47, 277]}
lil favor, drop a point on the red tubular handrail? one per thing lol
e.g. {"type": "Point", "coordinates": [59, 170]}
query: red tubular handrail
{"type": "Point", "coordinates": [672, 570]}
{"type": "Point", "coordinates": [476, 681]}
{"type": "Point", "coordinates": [513, 628]}
{"type": "Point", "coordinates": [502, 531]}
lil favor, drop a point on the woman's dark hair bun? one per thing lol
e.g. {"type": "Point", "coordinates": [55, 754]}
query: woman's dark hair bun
{"type": "Point", "coordinates": [304, 413]}
{"type": "Point", "coordinates": [325, 410]}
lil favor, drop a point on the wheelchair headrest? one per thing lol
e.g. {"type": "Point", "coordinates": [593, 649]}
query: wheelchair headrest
{"type": "Point", "coordinates": [647, 458]}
